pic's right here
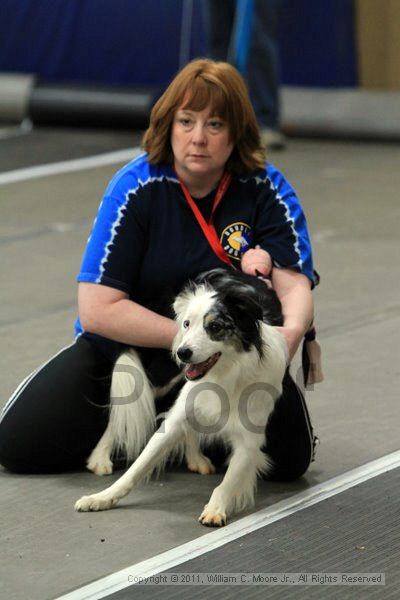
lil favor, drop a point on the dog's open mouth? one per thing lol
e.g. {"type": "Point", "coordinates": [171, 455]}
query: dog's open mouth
{"type": "Point", "coordinates": [197, 370]}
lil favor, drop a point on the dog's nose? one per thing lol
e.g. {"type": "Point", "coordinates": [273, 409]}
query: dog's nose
{"type": "Point", "coordinates": [184, 353]}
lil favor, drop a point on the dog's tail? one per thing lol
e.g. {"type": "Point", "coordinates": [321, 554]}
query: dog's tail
{"type": "Point", "coordinates": [132, 414]}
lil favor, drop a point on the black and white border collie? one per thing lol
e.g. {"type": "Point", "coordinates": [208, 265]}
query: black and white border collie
{"type": "Point", "coordinates": [234, 361]}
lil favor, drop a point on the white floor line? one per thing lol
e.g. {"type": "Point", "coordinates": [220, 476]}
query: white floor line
{"type": "Point", "coordinates": [181, 554]}
{"type": "Point", "coordinates": [68, 166]}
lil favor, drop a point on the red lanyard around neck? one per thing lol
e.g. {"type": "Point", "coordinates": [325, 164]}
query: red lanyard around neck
{"type": "Point", "coordinates": [208, 228]}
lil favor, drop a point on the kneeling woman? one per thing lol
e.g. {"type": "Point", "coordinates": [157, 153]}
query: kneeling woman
{"type": "Point", "coordinates": [202, 163]}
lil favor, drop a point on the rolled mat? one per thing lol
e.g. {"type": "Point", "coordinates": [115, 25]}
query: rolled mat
{"type": "Point", "coordinates": [24, 96]}
{"type": "Point", "coordinates": [92, 106]}
{"type": "Point", "coordinates": [15, 93]}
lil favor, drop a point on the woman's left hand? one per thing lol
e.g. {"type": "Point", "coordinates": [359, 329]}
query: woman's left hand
{"type": "Point", "coordinates": [256, 261]}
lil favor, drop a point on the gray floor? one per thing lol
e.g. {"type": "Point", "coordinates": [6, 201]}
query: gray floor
{"type": "Point", "coordinates": [48, 144]}
{"type": "Point", "coordinates": [350, 192]}
{"type": "Point", "coordinates": [344, 534]}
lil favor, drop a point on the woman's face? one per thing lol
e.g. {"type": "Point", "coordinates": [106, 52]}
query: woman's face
{"type": "Point", "coordinates": [200, 143]}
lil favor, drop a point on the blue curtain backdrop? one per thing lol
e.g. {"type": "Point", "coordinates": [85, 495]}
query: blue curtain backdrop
{"type": "Point", "coordinates": [317, 43]}
{"type": "Point", "coordinates": [122, 42]}
{"type": "Point", "coordinates": [135, 42]}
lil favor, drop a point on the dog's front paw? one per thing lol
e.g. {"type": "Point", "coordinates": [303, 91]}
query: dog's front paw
{"type": "Point", "coordinates": [201, 464]}
{"type": "Point", "coordinates": [100, 467]}
{"type": "Point", "coordinates": [212, 518]}
{"type": "Point", "coordinates": [94, 503]}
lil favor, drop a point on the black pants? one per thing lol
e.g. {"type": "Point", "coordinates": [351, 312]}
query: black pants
{"type": "Point", "coordinates": [58, 414]}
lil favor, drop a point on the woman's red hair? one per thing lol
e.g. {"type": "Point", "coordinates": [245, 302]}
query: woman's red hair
{"type": "Point", "coordinates": [200, 84]}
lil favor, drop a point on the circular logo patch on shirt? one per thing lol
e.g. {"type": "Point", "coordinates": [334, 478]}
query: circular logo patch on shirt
{"type": "Point", "coordinates": [235, 239]}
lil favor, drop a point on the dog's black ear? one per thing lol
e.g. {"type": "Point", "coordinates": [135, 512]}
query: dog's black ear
{"type": "Point", "coordinates": [246, 313]}
{"type": "Point", "coordinates": [242, 303]}
{"type": "Point", "coordinates": [213, 278]}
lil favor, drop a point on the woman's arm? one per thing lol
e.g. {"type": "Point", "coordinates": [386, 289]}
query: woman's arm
{"type": "Point", "coordinates": [109, 312]}
{"type": "Point", "coordinates": [294, 292]}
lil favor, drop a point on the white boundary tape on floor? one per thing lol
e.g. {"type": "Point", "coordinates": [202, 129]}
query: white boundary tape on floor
{"type": "Point", "coordinates": [181, 554]}
{"type": "Point", "coordinates": [69, 166]}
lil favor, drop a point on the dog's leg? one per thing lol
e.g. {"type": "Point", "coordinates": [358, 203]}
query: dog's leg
{"type": "Point", "coordinates": [169, 435]}
{"type": "Point", "coordinates": [100, 459]}
{"type": "Point", "coordinates": [195, 459]}
{"type": "Point", "coordinates": [237, 488]}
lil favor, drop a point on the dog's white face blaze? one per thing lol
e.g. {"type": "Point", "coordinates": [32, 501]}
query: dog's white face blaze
{"type": "Point", "coordinates": [192, 310]}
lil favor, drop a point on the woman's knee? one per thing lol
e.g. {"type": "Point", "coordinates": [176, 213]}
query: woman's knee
{"type": "Point", "coordinates": [15, 452]}
{"type": "Point", "coordinates": [54, 420]}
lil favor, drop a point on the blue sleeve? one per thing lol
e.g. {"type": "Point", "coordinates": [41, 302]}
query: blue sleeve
{"type": "Point", "coordinates": [115, 247]}
{"type": "Point", "coordinates": [281, 227]}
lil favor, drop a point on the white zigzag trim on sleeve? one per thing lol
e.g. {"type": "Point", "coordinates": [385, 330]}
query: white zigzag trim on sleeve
{"type": "Point", "coordinates": [289, 220]}
{"type": "Point", "coordinates": [120, 215]}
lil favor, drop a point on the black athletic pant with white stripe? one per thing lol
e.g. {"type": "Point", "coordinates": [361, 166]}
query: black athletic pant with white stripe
{"type": "Point", "coordinates": [58, 414]}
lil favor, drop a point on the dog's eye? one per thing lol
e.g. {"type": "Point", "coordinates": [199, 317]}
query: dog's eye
{"type": "Point", "coordinates": [186, 324]}
{"type": "Point", "coordinates": [214, 327]}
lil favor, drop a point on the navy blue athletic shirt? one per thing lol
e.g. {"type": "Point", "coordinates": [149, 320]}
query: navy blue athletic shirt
{"type": "Point", "coordinates": [146, 241]}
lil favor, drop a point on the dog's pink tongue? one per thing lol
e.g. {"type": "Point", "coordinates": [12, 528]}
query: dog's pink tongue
{"type": "Point", "coordinates": [194, 371]}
